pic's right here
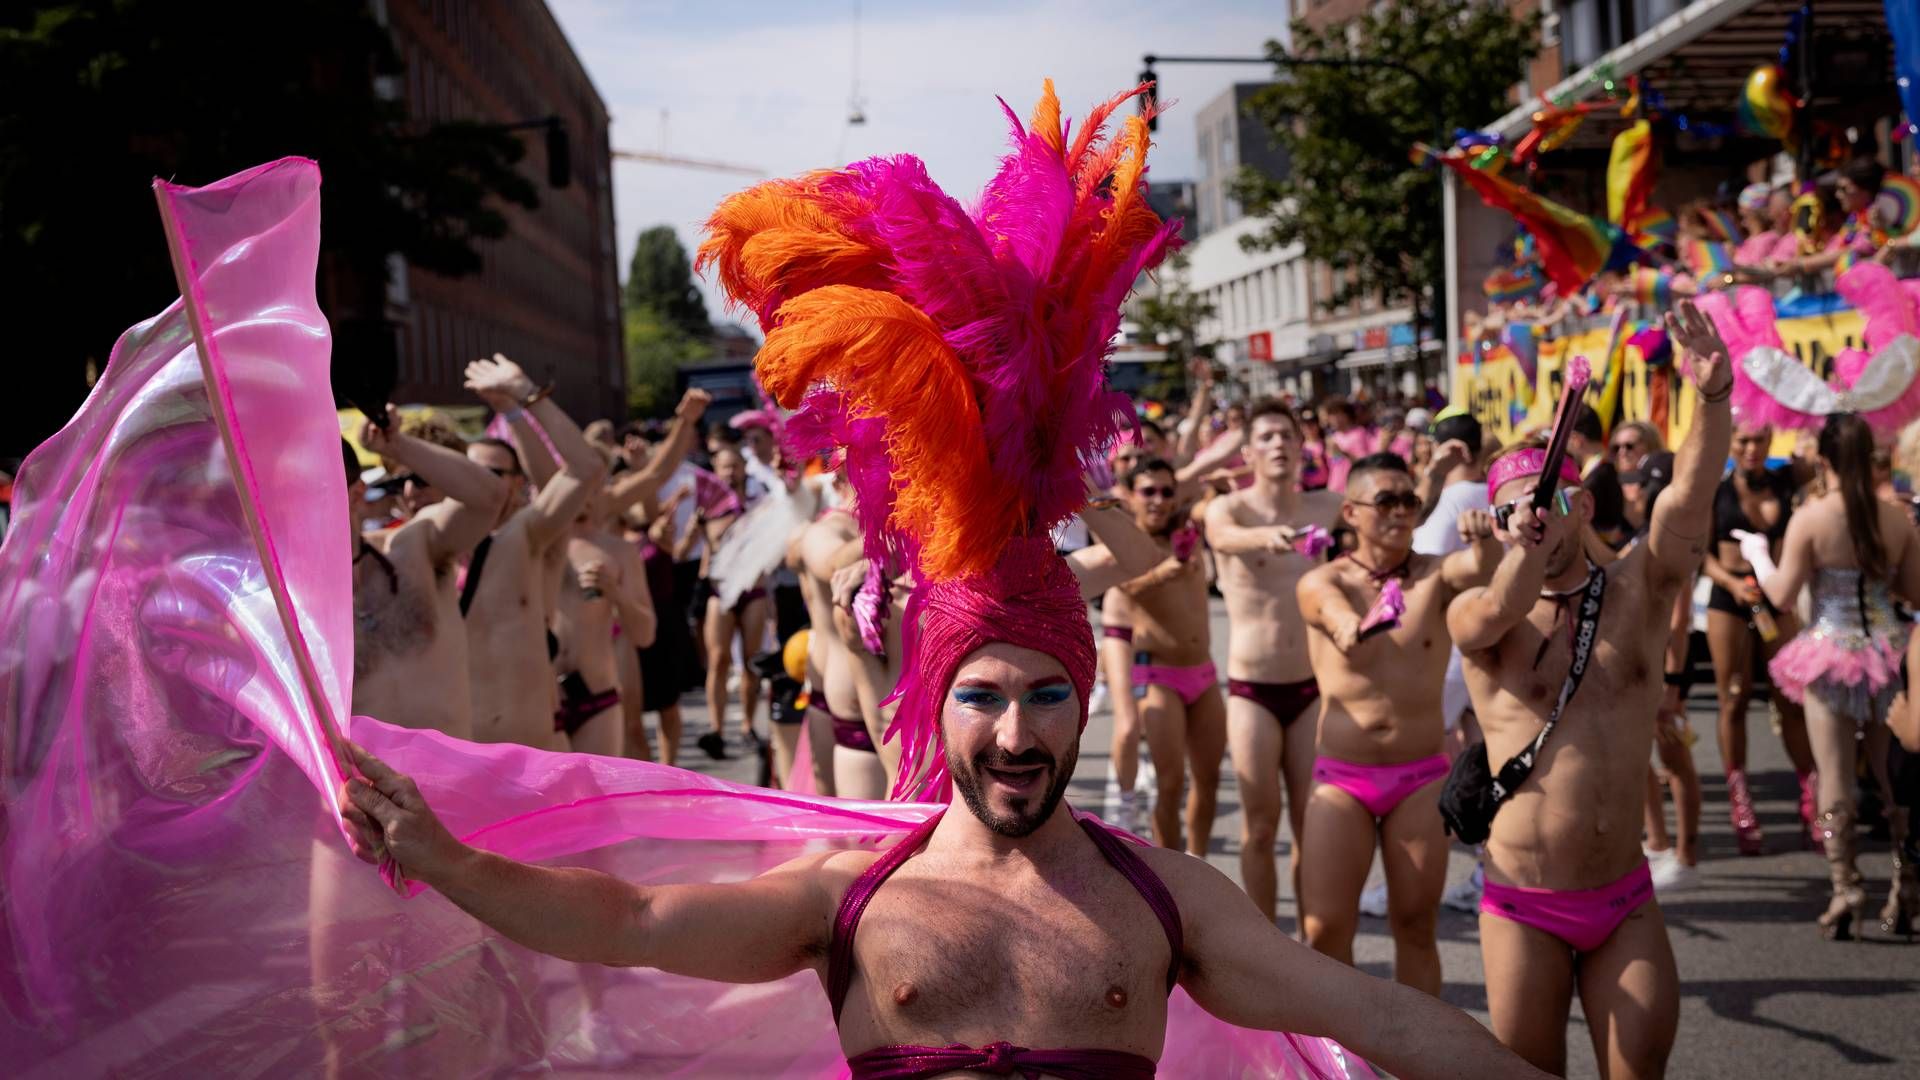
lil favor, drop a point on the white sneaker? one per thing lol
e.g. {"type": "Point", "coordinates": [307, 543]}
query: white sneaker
{"type": "Point", "coordinates": [1466, 895]}
{"type": "Point", "coordinates": [1097, 701]}
{"type": "Point", "coordinates": [1672, 875]}
{"type": "Point", "coordinates": [1373, 902]}
{"type": "Point", "coordinates": [1126, 812]}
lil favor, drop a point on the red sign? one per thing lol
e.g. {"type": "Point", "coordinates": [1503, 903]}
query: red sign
{"type": "Point", "coordinates": [1375, 337]}
{"type": "Point", "coordinates": [1260, 346]}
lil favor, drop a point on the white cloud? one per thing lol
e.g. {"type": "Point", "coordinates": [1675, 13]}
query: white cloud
{"type": "Point", "coordinates": [770, 91]}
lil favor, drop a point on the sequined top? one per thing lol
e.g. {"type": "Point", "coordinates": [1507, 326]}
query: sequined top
{"type": "Point", "coordinates": [1851, 613]}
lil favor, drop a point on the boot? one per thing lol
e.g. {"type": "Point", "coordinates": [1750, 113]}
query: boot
{"type": "Point", "coordinates": [1903, 903]}
{"type": "Point", "coordinates": [1848, 907]}
{"type": "Point", "coordinates": [1746, 827]}
{"type": "Point", "coordinates": [1809, 817]}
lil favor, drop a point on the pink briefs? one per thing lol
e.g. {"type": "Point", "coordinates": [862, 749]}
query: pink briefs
{"type": "Point", "coordinates": [1583, 918]}
{"type": "Point", "coordinates": [1379, 788]}
{"type": "Point", "coordinates": [1188, 682]}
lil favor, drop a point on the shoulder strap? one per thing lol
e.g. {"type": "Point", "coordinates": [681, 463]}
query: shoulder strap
{"type": "Point", "coordinates": [1120, 854]}
{"type": "Point", "coordinates": [474, 566]}
{"type": "Point", "coordinates": [854, 904]}
{"type": "Point", "coordinates": [1520, 766]}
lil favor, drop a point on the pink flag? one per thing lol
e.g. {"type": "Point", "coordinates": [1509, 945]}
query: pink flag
{"type": "Point", "coordinates": [175, 657]}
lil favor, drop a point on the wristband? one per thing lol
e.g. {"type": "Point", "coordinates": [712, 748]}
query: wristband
{"type": "Point", "coordinates": [1715, 399]}
{"type": "Point", "coordinates": [537, 397]}
{"type": "Point", "coordinates": [1678, 678]}
{"type": "Point", "coordinates": [515, 415]}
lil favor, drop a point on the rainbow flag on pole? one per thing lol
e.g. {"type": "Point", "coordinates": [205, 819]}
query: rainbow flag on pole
{"type": "Point", "coordinates": [1573, 246]}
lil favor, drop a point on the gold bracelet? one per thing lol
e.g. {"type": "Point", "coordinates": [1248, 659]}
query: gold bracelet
{"type": "Point", "coordinates": [537, 397]}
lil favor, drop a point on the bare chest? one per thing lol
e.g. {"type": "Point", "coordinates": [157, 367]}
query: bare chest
{"type": "Point", "coordinates": [396, 612]}
{"type": "Point", "coordinates": [1056, 963]}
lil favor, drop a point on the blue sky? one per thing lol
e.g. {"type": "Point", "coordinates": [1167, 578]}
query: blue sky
{"type": "Point", "coordinates": [767, 84]}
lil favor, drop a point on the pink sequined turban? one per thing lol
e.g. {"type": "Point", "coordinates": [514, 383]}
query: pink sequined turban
{"type": "Point", "coordinates": [1030, 599]}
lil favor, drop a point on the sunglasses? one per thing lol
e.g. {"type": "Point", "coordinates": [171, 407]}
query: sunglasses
{"type": "Point", "coordinates": [1390, 501]}
{"type": "Point", "coordinates": [1626, 447]}
{"type": "Point", "coordinates": [503, 473]}
{"type": "Point", "coordinates": [1503, 513]}
{"type": "Point", "coordinates": [1150, 492]}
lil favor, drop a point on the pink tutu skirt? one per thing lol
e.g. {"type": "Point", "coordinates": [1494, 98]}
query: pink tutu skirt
{"type": "Point", "coordinates": [1853, 675]}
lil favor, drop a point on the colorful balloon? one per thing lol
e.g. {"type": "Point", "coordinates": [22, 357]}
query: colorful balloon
{"type": "Point", "coordinates": [1766, 107]}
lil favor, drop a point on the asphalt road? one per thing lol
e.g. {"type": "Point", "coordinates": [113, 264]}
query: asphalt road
{"type": "Point", "coordinates": [1761, 994]}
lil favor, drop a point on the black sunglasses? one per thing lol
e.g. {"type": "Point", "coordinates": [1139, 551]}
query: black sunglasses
{"type": "Point", "coordinates": [1388, 502]}
{"type": "Point", "coordinates": [1150, 492]}
{"type": "Point", "coordinates": [1503, 513]}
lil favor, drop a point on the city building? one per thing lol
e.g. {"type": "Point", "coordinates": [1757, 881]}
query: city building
{"type": "Point", "coordinates": [548, 292]}
{"type": "Point", "coordinates": [1258, 329]}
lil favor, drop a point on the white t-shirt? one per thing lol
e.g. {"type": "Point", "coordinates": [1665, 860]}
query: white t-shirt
{"type": "Point", "coordinates": [1440, 534]}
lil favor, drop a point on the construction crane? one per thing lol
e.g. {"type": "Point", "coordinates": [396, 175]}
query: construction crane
{"type": "Point", "coordinates": [687, 163]}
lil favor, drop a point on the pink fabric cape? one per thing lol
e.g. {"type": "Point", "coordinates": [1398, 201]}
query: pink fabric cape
{"type": "Point", "coordinates": [178, 897]}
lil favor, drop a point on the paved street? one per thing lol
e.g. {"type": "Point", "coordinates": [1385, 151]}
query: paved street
{"type": "Point", "coordinates": [1762, 995]}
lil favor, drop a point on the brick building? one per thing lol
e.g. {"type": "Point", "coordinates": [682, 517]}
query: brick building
{"type": "Point", "coordinates": [548, 292]}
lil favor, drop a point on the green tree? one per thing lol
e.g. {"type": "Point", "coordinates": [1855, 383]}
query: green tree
{"type": "Point", "coordinates": [656, 350]}
{"type": "Point", "coordinates": [660, 276]}
{"type": "Point", "coordinates": [1170, 316]}
{"type": "Point", "coordinates": [97, 97]}
{"type": "Point", "coordinates": [1353, 199]}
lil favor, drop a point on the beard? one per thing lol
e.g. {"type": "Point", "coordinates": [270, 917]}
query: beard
{"type": "Point", "coordinates": [1027, 813]}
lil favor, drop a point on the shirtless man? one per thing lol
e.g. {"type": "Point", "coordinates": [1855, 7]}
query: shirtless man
{"type": "Point", "coordinates": [1270, 686]}
{"type": "Point", "coordinates": [1184, 716]}
{"type": "Point", "coordinates": [745, 619]}
{"type": "Point", "coordinates": [1379, 762]}
{"type": "Point", "coordinates": [843, 748]}
{"type": "Point", "coordinates": [509, 578]}
{"type": "Point", "coordinates": [409, 657]}
{"type": "Point", "coordinates": [409, 647]}
{"type": "Point", "coordinates": [1005, 922]}
{"type": "Point", "coordinates": [1569, 903]}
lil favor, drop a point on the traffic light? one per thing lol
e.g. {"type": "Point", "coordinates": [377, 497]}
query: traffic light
{"type": "Point", "coordinates": [559, 154]}
{"type": "Point", "coordinates": [1149, 101]}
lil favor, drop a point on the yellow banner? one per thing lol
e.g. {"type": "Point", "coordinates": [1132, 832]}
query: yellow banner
{"type": "Point", "coordinates": [1492, 391]}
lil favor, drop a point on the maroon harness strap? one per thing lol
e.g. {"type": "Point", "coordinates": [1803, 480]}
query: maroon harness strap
{"type": "Point", "coordinates": [904, 1062]}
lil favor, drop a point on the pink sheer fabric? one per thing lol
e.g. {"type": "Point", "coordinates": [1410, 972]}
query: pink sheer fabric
{"type": "Point", "coordinates": [179, 899]}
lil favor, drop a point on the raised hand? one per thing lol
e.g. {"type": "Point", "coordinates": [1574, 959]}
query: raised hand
{"type": "Point", "coordinates": [1711, 368]}
{"type": "Point", "coordinates": [693, 404]}
{"type": "Point", "coordinates": [380, 439]}
{"type": "Point", "coordinates": [499, 382]}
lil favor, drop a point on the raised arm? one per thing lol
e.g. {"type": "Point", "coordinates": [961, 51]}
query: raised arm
{"type": "Point", "coordinates": [1480, 617]}
{"type": "Point", "coordinates": [1216, 454]}
{"type": "Point", "coordinates": [1244, 970]}
{"type": "Point", "coordinates": [1187, 443]}
{"type": "Point", "coordinates": [474, 496]}
{"type": "Point", "coordinates": [503, 386]}
{"type": "Point", "coordinates": [1447, 457]}
{"type": "Point", "coordinates": [643, 483]}
{"type": "Point", "coordinates": [1228, 537]}
{"type": "Point", "coordinates": [1325, 608]}
{"type": "Point", "coordinates": [1474, 564]}
{"type": "Point", "coordinates": [1682, 518]}
{"type": "Point", "coordinates": [758, 930]}
{"type": "Point", "coordinates": [1121, 551]}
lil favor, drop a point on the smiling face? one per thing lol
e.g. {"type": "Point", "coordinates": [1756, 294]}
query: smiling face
{"type": "Point", "coordinates": [1011, 722]}
{"type": "Point", "coordinates": [1154, 492]}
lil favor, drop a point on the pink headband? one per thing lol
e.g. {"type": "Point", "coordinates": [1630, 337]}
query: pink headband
{"type": "Point", "coordinates": [1030, 599]}
{"type": "Point", "coordinates": [1524, 463]}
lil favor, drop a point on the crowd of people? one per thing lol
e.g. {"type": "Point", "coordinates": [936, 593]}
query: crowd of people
{"type": "Point", "coordinates": [1382, 622]}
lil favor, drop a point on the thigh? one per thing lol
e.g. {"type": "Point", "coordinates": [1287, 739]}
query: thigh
{"type": "Point", "coordinates": [1254, 740]}
{"type": "Point", "coordinates": [1164, 716]}
{"type": "Point", "coordinates": [1831, 736]}
{"type": "Point", "coordinates": [1116, 666]}
{"type": "Point", "coordinates": [1630, 991]}
{"type": "Point", "coordinates": [1530, 981]}
{"type": "Point", "coordinates": [857, 774]}
{"type": "Point", "coordinates": [718, 628]}
{"type": "Point", "coordinates": [820, 748]}
{"type": "Point", "coordinates": [1206, 734]}
{"type": "Point", "coordinates": [1731, 646]}
{"type": "Point", "coordinates": [1337, 850]}
{"type": "Point", "coordinates": [601, 734]}
{"type": "Point", "coordinates": [1413, 851]}
{"type": "Point", "coordinates": [753, 628]}
{"type": "Point", "coordinates": [1299, 741]}
{"type": "Point", "coordinates": [786, 741]}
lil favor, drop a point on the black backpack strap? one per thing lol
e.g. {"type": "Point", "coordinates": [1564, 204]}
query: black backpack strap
{"type": "Point", "coordinates": [474, 566]}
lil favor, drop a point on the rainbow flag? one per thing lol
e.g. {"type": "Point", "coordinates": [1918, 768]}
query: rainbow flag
{"type": "Point", "coordinates": [1653, 227]}
{"type": "Point", "coordinates": [1573, 247]}
{"type": "Point", "coordinates": [1510, 283]}
{"type": "Point", "coordinates": [1897, 207]}
{"type": "Point", "coordinates": [1632, 169]}
{"type": "Point", "coordinates": [1722, 225]}
{"type": "Point", "coordinates": [1705, 258]}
